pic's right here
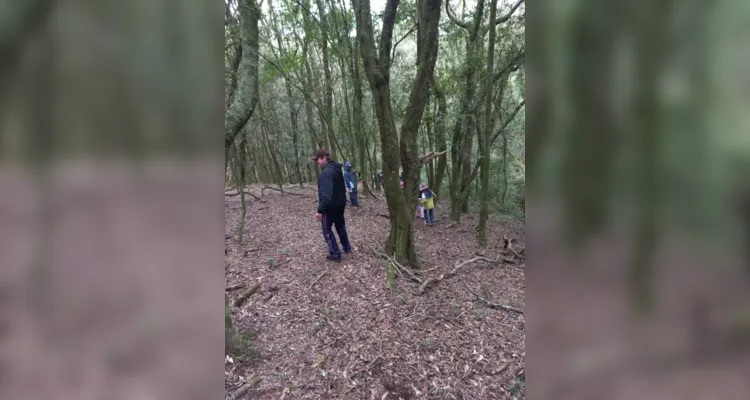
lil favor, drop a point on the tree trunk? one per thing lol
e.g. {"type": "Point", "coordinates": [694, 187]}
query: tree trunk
{"type": "Point", "coordinates": [463, 132]}
{"type": "Point", "coordinates": [288, 86]}
{"type": "Point", "coordinates": [328, 90]}
{"type": "Point", "coordinates": [485, 138]}
{"type": "Point", "coordinates": [377, 69]}
{"type": "Point", "coordinates": [591, 137]}
{"type": "Point", "coordinates": [307, 86]}
{"type": "Point", "coordinates": [428, 120]}
{"type": "Point", "coordinates": [651, 44]}
{"type": "Point", "coordinates": [246, 95]}
{"type": "Point", "coordinates": [442, 108]}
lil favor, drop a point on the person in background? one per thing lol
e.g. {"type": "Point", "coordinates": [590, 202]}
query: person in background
{"type": "Point", "coordinates": [427, 199]}
{"type": "Point", "coordinates": [351, 183]}
{"type": "Point", "coordinates": [380, 178]}
{"type": "Point", "coordinates": [331, 204]}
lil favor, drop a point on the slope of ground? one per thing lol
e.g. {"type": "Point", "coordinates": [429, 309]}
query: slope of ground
{"type": "Point", "coordinates": [336, 331]}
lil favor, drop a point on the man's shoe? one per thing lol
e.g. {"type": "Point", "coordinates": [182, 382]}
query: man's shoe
{"type": "Point", "coordinates": [333, 258]}
{"type": "Point", "coordinates": [348, 251]}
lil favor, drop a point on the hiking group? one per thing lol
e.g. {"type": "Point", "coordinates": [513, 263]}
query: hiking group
{"type": "Point", "coordinates": [333, 185]}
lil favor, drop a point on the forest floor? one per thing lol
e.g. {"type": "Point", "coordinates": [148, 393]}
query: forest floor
{"type": "Point", "coordinates": [336, 331]}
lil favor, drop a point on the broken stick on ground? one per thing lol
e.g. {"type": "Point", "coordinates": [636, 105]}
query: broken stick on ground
{"type": "Point", "coordinates": [454, 271]}
{"type": "Point", "coordinates": [316, 280]}
{"type": "Point", "coordinates": [491, 304]}
{"type": "Point", "coordinates": [237, 193]}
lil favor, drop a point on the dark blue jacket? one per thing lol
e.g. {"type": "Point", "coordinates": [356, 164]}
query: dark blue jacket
{"type": "Point", "coordinates": [331, 189]}
{"type": "Point", "coordinates": [349, 176]}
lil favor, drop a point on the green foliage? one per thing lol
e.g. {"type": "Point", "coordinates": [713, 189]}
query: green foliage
{"type": "Point", "coordinates": [289, 63]}
{"type": "Point", "coordinates": [286, 251]}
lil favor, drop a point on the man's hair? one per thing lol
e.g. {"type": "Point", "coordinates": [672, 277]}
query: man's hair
{"type": "Point", "coordinates": [322, 153]}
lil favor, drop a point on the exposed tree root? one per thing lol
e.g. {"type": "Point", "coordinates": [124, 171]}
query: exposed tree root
{"type": "Point", "coordinates": [242, 299]}
{"type": "Point", "coordinates": [517, 256]}
{"type": "Point", "coordinates": [399, 268]}
{"type": "Point", "coordinates": [367, 189]}
{"type": "Point", "coordinates": [244, 389]}
{"type": "Point", "coordinates": [234, 287]}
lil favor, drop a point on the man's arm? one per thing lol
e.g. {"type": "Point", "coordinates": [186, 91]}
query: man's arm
{"type": "Point", "coordinates": [325, 192]}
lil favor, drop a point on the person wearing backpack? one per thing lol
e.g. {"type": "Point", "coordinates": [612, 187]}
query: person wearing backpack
{"type": "Point", "coordinates": [351, 184]}
{"type": "Point", "coordinates": [331, 204]}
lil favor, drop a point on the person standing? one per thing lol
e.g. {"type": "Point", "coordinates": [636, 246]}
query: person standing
{"type": "Point", "coordinates": [331, 204]}
{"type": "Point", "coordinates": [351, 184]}
{"type": "Point", "coordinates": [427, 199]}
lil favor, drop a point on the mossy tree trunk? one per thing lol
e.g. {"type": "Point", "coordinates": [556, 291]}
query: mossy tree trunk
{"type": "Point", "coordinates": [399, 153]}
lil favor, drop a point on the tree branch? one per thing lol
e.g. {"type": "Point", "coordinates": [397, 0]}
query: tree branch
{"type": "Point", "coordinates": [367, 42]}
{"type": "Point", "coordinates": [513, 65]}
{"type": "Point", "coordinates": [507, 16]}
{"type": "Point", "coordinates": [386, 36]}
{"type": "Point", "coordinates": [453, 16]}
{"type": "Point", "coordinates": [475, 169]}
{"type": "Point", "coordinates": [393, 53]}
{"type": "Point", "coordinates": [508, 121]}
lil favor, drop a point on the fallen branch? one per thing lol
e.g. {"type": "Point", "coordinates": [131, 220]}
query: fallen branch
{"type": "Point", "coordinates": [245, 388]}
{"type": "Point", "coordinates": [491, 304]}
{"type": "Point", "coordinates": [283, 192]}
{"type": "Point", "coordinates": [453, 272]}
{"type": "Point", "coordinates": [234, 287]}
{"type": "Point", "coordinates": [281, 263]}
{"type": "Point", "coordinates": [242, 299]}
{"type": "Point", "coordinates": [399, 267]}
{"type": "Point", "coordinates": [316, 280]}
{"type": "Point", "coordinates": [385, 216]}
{"type": "Point", "coordinates": [250, 251]}
{"type": "Point", "coordinates": [237, 193]}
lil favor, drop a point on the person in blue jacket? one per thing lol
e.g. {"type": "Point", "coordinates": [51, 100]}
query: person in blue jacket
{"type": "Point", "coordinates": [351, 184]}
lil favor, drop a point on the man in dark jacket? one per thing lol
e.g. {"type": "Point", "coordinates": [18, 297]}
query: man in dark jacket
{"type": "Point", "coordinates": [332, 203]}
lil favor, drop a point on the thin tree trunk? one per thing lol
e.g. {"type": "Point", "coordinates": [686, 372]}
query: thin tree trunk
{"type": "Point", "coordinates": [307, 87]}
{"type": "Point", "coordinates": [290, 98]}
{"type": "Point", "coordinates": [439, 134]}
{"type": "Point", "coordinates": [651, 44]}
{"type": "Point", "coordinates": [463, 132]}
{"type": "Point", "coordinates": [485, 138]}
{"type": "Point", "coordinates": [328, 90]}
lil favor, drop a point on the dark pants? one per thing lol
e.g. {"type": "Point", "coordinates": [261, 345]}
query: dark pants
{"type": "Point", "coordinates": [331, 218]}
{"type": "Point", "coordinates": [353, 198]}
{"type": "Point", "coordinates": [429, 215]}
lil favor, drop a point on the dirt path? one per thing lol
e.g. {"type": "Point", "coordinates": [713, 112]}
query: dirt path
{"type": "Point", "coordinates": [348, 336]}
